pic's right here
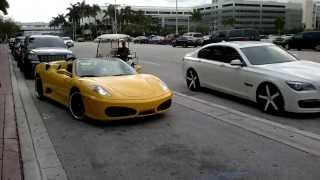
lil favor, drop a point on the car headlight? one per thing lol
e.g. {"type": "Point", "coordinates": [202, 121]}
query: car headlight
{"type": "Point", "coordinates": [164, 86]}
{"type": "Point", "coordinates": [100, 90]}
{"type": "Point", "coordinates": [33, 57]}
{"type": "Point", "coordinates": [301, 86]}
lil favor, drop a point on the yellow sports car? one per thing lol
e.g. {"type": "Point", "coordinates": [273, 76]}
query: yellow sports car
{"type": "Point", "coordinates": [102, 89]}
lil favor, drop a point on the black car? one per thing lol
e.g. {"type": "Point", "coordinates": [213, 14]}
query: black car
{"type": "Point", "coordinates": [184, 41]}
{"type": "Point", "coordinates": [233, 35]}
{"type": "Point", "coordinates": [42, 48]}
{"type": "Point", "coordinates": [304, 40]}
{"type": "Point", "coordinates": [17, 47]}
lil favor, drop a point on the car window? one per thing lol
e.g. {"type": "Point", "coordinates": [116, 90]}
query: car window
{"type": "Point", "coordinates": [308, 36]}
{"type": "Point", "coordinates": [69, 67]}
{"type": "Point", "coordinates": [215, 53]}
{"type": "Point", "coordinates": [250, 33]}
{"type": "Point", "coordinates": [230, 54]}
{"type": "Point", "coordinates": [222, 34]}
{"type": "Point", "coordinates": [271, 54]}
{"type": "Point", "coordinates": [235, 33]}
{"type": "Point", "coordinates": [46, 42]}
{"type": "Point", "coordinates": [298, 36]}
{"type": "Point", "coordinates": [101, 68]}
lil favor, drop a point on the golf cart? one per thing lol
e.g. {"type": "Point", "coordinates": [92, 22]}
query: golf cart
{"type": "Point", "coordinates": [117, 45]}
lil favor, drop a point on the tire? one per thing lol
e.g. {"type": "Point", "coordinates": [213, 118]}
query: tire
{"type": "Point", "coordinates": [76, 106]}
{"type": "Point", "coordinates": [270, 99]}
{"type": "Point", "coordinates": [317, 48]}
{"type": "Point", "coordinates": [192, 80]}
{"type": "Point", "coordinates": [287, 46]}
{"type": "Point", "coordinates": [38, 87]}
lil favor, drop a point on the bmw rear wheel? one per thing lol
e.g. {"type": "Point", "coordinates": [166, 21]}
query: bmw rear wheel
{"type": "Point", "coordinates": [193, 81]}
{"type": "Point", "coordinates": [269, 98]}
{"type": "Point", "coordinates": [76, 106]}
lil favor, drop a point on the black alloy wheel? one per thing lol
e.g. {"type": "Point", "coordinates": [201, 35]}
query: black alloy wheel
{"type": "Point", "coordinates": [193, 81]}
{"type": "Point", "coordinates": [76, 106]}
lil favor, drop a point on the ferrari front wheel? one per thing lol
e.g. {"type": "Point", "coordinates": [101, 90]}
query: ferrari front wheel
{"type": "Point", "coordinates": [76, 106]}
{"type": "Point", "coordinates": [38, 87]}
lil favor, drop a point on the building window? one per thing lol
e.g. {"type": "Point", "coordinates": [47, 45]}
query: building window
{"type": "Point", "coordinates": [247, 5]}
{"type": "Point", "coordinates": [274, 6]}
{"type": "Point", "coordinates": [227, 5]}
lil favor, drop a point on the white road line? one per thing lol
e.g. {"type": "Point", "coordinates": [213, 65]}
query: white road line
{"type": "Point", "coordinates": [299, 139]}
{"type": "Point", "coordinates": [148, 62]}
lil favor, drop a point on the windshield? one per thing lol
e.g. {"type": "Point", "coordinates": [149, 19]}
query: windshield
{"type": "Point", "coordinates": [260, 55]}
{"type": "Point", "coordinates": [66, 38]}
{"type": "Point", "coordinates": [101, 68]}
{"type": "Point", "coordinates": [46, 42]}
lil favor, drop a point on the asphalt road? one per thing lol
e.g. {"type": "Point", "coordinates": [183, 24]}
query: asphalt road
{"type": "Point", "coordinates": [181, 144]}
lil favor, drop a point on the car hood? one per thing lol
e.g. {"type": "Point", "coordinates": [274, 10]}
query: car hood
{"type": "Point", "coordinates": [51, 50]}
{"type": "Point", "coordinates": [140, 86]}
{"type": "Point", "coordinates": [306, 70]}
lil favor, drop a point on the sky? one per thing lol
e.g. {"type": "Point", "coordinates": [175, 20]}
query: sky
{"type": "Point", "coordinates": [44, 10]}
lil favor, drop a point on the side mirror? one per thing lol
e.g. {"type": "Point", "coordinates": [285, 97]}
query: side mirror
{"type": "Point", "coordinates": [236, 62]}
{"type": "Point", "coordinates": [64, 72]}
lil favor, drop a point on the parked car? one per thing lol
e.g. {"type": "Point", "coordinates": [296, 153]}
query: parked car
{"type": "Point", "coordinates": [112, 89]}
{"type": "Point", "coordinates": [156, 40]}
{"type": "Point", "coordinates": [42, 48]}
{"type": "Point", "coordinates": [234, 35]}
{"type": "Point", "coordinates": [11, 43]}
{"type": "Point", "coordinates": [184, 41]}
{"type": "Point", "coordinates": [304, 40]}
{"type": "Point", "coordinates": [198, 37]}
{"type": "Point", "coordinates": [261, 72]}
{"type": "Point", "coordinates": [80, 39]}
{"type": "Point", "coordinates": [68, 41]}
{"type": "Point", "coordinates": [140, 40]}
{"type": "Point", "coordinates": [17, 48]}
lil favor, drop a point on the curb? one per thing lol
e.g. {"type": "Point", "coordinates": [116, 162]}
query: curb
{"type": "Point", "coordinates": [40, 160]}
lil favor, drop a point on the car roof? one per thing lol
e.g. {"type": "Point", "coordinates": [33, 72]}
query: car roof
{"type": "Point", "coordinates": [242, 44]}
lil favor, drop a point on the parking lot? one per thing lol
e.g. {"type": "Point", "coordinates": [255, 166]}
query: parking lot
{"type": "Point", "coordinates": [191, 141]}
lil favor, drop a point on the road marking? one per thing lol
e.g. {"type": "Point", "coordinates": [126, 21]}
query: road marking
{"type": "Point", "coordinates": [299, 139]}
{"type": "Point", "coordinates": [151, 63]}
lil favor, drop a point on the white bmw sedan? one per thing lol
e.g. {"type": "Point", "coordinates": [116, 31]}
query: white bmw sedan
{"type": "Point", "coordinates": [261, 72]}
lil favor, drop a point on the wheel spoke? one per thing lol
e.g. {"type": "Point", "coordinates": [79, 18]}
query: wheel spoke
{"type": "Point", "coordinates": [191, 84]}
{"type": "Point", "coordinates": [263, 97]}
{"type": "Point", "coordinates": [275, 96]}
{"type": "Point", "coordinates": [274, 105]}
{"type": "Point", "coordinates": [189, 78]}
{"type": "Point", "coordinates": [266, 106]}
{"type": "Point", "coordinates": [268, 91]}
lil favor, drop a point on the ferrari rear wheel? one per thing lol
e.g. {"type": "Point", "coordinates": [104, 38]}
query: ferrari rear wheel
{"type": "Point", "coordinates": [38, 87]}
{"type": "Point", "coordinates": [76, 106]}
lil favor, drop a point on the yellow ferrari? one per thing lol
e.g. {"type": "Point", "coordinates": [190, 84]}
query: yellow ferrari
{"type": "Point", "coordinates": [100, 89]}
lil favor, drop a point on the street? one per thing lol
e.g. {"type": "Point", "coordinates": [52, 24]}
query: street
{"type": "Point", "coordinates": [185, 143]}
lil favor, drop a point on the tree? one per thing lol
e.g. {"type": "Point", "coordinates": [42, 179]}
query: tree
{"type": "Point", "coordinates": [196, 16]}
{"type": "Point", "coordinates": [279, 24]}
{"type": "Point", "coordinates": [8, 28]}
{"type": "Point", "coordinates": [4, 5]}
{"type": "Point", "coordinates": [228, 21]}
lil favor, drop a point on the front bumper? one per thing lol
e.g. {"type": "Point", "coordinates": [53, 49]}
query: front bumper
{"type": "Point", "coordinates": [97, 108]}
{"type": "Point", "coordinates": [302, 102]}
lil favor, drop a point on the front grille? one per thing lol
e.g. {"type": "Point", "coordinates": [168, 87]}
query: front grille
{"type": "Point", "coordinates": [49, 58]}
{"type": "Point", "coordinates": [165, 105]}
{"type": "Point", "coordinates": [147, 112]}
{"type": "Point", "coordinates": [120, 111]}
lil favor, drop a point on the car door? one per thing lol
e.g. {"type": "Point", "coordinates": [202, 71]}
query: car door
{"type": "Point", "coordinates": [210, 63]}
{"type": "Point", "coordinates": [61, 83]}
{"type": "Point", "coordinates": [232, 79]}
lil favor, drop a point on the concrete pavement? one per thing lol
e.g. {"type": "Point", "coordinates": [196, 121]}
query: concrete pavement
{"type": "Point", "coordinates": [10, 161]}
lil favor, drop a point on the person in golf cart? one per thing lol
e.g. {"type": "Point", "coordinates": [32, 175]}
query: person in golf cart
{"type": "Point", "coordinates": [123, 52]}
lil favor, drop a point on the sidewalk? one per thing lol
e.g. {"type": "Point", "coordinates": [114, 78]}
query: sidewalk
{"type": "Point", "coordinates": [10, 161]}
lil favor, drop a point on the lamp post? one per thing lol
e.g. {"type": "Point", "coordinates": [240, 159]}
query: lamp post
{"type": "Point", "coordinates": [261, 5]}
{"type": "Point", "coordinates": [115, 17]}
{"type": "Point", "coordinates": [177, 31]}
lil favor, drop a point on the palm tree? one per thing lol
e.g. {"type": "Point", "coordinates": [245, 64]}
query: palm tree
{"type": "Point", "coordinates": [4, 5]}
{"type": "Point", "coordinates": [279, 24]}
{"type": "Point", "coordinates": [74, 17]}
